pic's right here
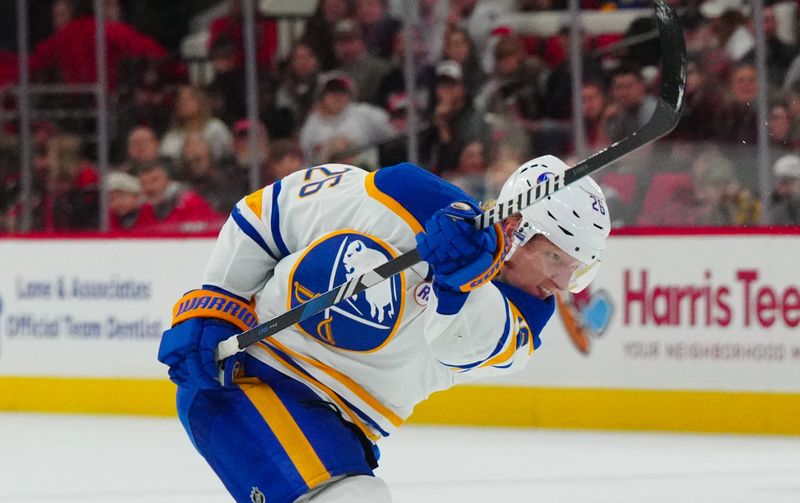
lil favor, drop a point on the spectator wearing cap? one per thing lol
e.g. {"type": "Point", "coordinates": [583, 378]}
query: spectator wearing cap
{"type": "Point", "coordinates": [125, 203]}
{"type": "Point", "coordinates": [379, 28]}
{"type": "Point", "coordinates": [295, 91]}
{"type": "Point", "coordinates": [175, 207]}
{"type": "Point", "coordinates": [785, 209]}
{"type": "Point", "coordinates": [454, 121]}
{"type": "Point", "coordinates": [337, 116]}
{"type": "Point", "coordinates": [366, 70]}
{"type": "Point", "coordinates": [193, 114]}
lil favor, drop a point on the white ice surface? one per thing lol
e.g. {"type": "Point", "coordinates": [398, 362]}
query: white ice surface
{"type": "Point", "coordinates": [87, 459]}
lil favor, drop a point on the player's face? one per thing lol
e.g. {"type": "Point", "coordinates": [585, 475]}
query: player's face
{"type": "Point", "coordinates": [540, 268]}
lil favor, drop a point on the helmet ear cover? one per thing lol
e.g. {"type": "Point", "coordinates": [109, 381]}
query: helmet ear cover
{"type": "Point", "coordinates": [575, 218]}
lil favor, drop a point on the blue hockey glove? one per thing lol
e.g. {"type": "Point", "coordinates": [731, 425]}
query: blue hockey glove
{"type": "Point", "coordinates": [463, 257]}
{"type": "Point", "coordinates": [201, 320]}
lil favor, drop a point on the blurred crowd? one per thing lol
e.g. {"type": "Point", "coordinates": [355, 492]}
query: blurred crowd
{"type": "Point", "coordinates": [488, 98]}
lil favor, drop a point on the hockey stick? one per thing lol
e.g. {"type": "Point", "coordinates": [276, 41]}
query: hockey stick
{"type": "Point", "coordinates": [663, 120]}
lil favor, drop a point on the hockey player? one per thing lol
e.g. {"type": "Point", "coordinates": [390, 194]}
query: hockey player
{"type": "Point", "coordinates": [298, 414]}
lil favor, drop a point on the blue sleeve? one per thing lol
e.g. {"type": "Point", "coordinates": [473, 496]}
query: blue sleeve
{"type": "Point", "coordinates": [537, 312]}
{"type": "Point", "coordinates": [419, 191]}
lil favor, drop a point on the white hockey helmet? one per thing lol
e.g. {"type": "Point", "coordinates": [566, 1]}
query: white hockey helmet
{"type": "Point", "coordinates": [575, 218]}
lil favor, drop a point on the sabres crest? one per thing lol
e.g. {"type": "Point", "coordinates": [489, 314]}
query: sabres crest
{"type": "Point", "coordinates": [362, 322]}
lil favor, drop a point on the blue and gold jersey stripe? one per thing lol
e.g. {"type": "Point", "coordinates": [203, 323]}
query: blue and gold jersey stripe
{"type": "Point", "coordinates": [352, 386]}
{"type": "Point", "coordinates": [298, 372]}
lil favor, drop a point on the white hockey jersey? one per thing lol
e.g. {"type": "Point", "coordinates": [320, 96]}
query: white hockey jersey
{"type": "Point", "coordinates": [379, 353]}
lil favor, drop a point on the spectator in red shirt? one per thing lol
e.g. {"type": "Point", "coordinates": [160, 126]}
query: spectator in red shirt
{"type": "Point", "coordinates": [231, 27]}
{"type": "Point", "coordinates": [176, 207]}
{"type": "Point", "coordinates": [71, 49]}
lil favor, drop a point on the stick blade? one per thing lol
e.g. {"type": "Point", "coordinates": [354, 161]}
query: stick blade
{"type": "Point", "coordinates": [668, 107]}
